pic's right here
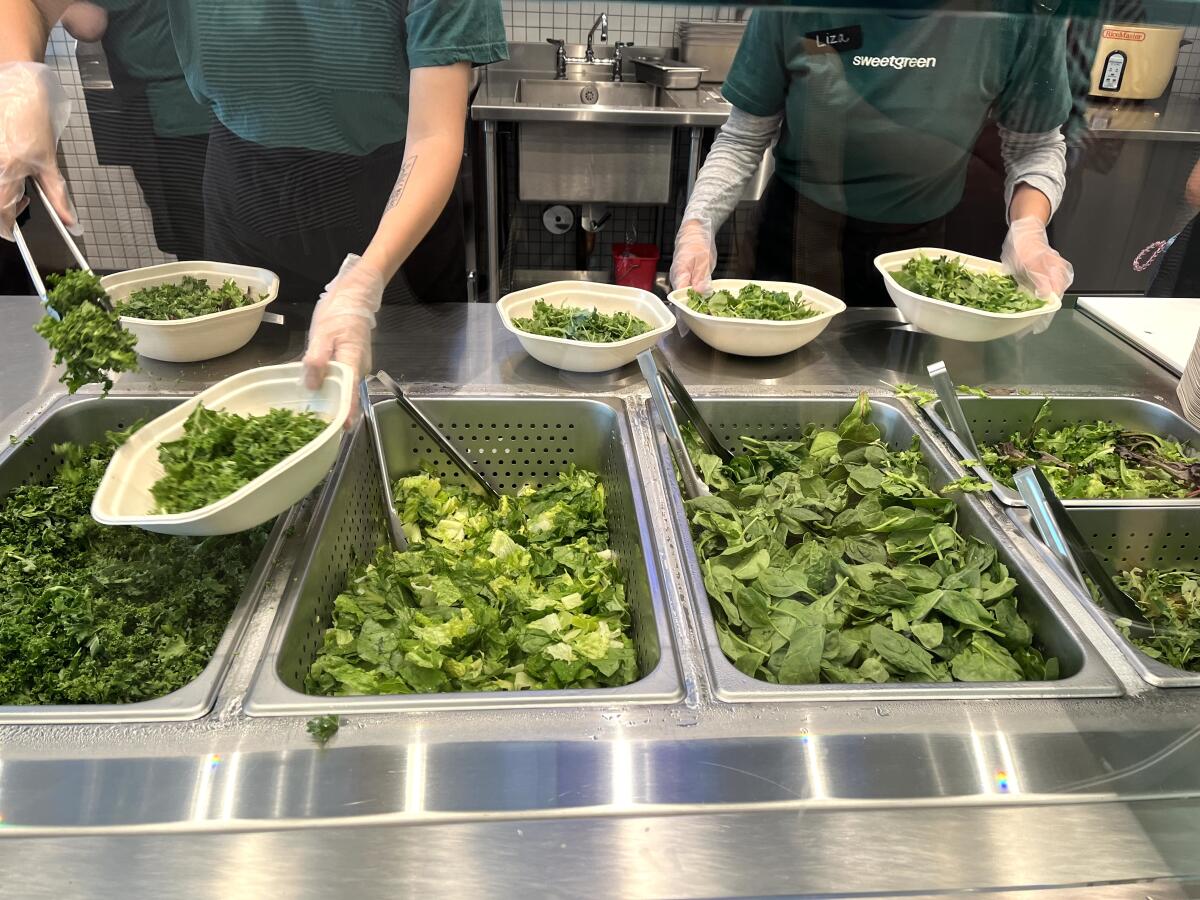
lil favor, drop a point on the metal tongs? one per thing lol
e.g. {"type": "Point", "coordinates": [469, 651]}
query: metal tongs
{"type": "Point", "coordinates": [31, 266]}
{"type": "Point", "coordinates": [948, 394]}
{"type": "Point", "coordinates": [1066, 543]}
{"type": "Point", "coordinates": [395, 527]}
{"type": "Point", "coordinates": [658, 373]}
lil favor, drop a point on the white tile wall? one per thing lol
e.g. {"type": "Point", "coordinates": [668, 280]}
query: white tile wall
{"type": "Point", "coordinates": [118, 231]}
{"type": "Point", "coordinates": [646, 24]}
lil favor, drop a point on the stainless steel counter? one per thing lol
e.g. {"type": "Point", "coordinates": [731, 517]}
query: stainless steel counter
{"type": "Point", "coordinates": [1170, 118]}
{"type": "Point", "coordinates": [693, 797]}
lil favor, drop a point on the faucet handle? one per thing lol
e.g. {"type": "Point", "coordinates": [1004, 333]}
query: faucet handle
{"type": "Point", "coordinates": [557, 42]}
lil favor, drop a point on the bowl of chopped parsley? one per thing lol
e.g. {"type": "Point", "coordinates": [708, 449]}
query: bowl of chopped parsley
{"type": "Point", "coordinates": [191, 311]}
{"type": "Point", "coordinates": [581, 326]}
{"type": "Point", "coordinates": [756, 318]}
{"type": "Point", "coordinates": [964, 298]}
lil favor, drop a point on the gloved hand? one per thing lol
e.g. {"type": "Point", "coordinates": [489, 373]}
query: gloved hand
{"type": "Point", "coordinates": [1028, 256]}
{"type": "Point", "coordinates": [33, 112]}
{"type": "Point", "coordinates": [342, 322]}
{"type": "Point", "coordinates": [695, 256]}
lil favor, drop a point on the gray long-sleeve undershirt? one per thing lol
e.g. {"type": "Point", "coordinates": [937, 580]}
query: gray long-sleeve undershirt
{"type": "Point", "coordinates": [1038, 160]}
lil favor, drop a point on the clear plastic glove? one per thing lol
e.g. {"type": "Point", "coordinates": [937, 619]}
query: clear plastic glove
{"type": "Point", "coordinates": [343, 320]}
{"type": "Point", "coordinates": [1028, 256]}
{"type": "Point", "coordinates": [33, 112]}
{"type": "Point", "coordinates": [695, 256]}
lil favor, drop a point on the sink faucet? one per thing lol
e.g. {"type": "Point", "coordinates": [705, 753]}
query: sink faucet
{"type": "Point", "coordinates": [601, 23]}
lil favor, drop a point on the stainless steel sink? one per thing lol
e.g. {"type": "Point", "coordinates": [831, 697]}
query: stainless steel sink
{"type": "Point", "coordinates": [585, 161]}
{"type": "Point", "coordinates": [550, 92]}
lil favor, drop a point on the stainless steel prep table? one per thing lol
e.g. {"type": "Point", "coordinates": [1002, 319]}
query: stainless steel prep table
{"type": "Point", "coordinates": [690, 797]}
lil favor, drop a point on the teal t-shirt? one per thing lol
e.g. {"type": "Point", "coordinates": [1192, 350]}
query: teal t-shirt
{"type": "Point", "coordinates": [328, 75]}
{"type": "Point", "coordinates": [882, 110]}
{"type": "Point", "coordinates": [139, 47]}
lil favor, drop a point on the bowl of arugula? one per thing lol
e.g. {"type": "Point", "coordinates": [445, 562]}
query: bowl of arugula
{"type": "Point", "coordinates": [964, 298]}
{"type": "Point", "coordinates": [191, 311]}
{"type": "Point", "coordinates": [581, 326]}
{"type": "Point", "coordinates": [756, 318]}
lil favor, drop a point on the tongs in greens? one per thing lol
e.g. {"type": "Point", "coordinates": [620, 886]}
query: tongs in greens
{"type": "Point", "coordinates": [658, 373]}
{"type": "Point", "coordinates": [1069, 547]}
{"type": "Point", "coordinates": [31, 266]}
{"type": "Point", "coordinates": [948, 394]}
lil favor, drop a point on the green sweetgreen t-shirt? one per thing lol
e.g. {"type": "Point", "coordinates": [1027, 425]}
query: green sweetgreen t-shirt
{"type": "Point", "coordinates": [139, 48]}
{"type": "Point", "coordinates": [881, 111]}
{"type": "Point", "coordinates": [329, 75]}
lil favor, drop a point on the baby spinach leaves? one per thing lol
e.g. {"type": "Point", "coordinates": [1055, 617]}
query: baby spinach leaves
{"type": "Point", "coordinates": [948, 280]}
{"type": "Point", "coordinates": [574, 323]}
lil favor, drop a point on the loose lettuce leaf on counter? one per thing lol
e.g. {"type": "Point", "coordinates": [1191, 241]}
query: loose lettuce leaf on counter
{"type": "Point", "coordinates": [835, 543]}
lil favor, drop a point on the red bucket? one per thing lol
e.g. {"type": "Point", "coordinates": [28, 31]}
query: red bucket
{"type": "Point", "coordinates": [635, 265]}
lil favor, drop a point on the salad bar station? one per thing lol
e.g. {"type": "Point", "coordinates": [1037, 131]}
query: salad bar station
{"type": "Point", "coordinates": [795, 632]}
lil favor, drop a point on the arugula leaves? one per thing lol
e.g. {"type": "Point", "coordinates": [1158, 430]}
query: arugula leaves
{"type": "Point", "coordinates": [92, 614]}
{"type": "Point", "coordinates": [221, 451]}
{"type": "Point", "coordinates": [1097, 460]}
{"type": "Point", "coordinates": [88, 339]}
{"type": "Point", "coordinates": [1170, 601]}
{"type": "Point", "coordinates": [577, 324]}
{"type": "Point", "coordinates": [753, 302]}
{"type": "Point", "coordinates": [525, 596]}
{"type": "Point", "coordinates": [947, 279]}
{"type": "Point", "coordinates": [830, 558]}
{"type": "Point", "coordinates": [190, 297]}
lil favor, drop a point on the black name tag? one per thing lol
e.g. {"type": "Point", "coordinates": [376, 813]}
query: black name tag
{"type": "Point", "coordinates": [837, 39]}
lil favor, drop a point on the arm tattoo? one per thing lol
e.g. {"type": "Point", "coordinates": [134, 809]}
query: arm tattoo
{"type": "Point", "coordinates": [401, 181]}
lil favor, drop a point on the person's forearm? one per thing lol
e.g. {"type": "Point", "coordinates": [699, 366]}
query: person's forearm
{"type": "Point", "coordinates": [425, 182]}
{"type": "Point", "coordinates": [26, 28]}
{"type": "Point", "coordinates": [1029, 202]}
{"type": "Point", "coordinates": [1035, 172]}
{"type": "Point", "coordinates": [432, 157]}
{"type": "Point", "coordinates": [735, 156]}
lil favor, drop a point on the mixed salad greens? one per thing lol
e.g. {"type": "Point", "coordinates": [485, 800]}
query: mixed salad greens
{"type": "Point", "coordinates": [753, 302]}
{"type": "Point", "coordinates": [221, 451]}
{"type": "Point", "coordinates": [1097, 460]}
{"type": "Point", "coordinates": [947, 279]}
{"type": "Point", "coordinates": [86, 337]}
{"type": "Point", "coordinates": [1170, 601]}
{"type": "Point", "coordinates": [575, 323]}
{"type": "Point", "coordinates": [92, 614]}
{"type": "Point", "coordinates": [527, 595]}
{"type": "Point", "coordinates": [829, 558]}
{"type": "Point", "coordinates": [190, 297]}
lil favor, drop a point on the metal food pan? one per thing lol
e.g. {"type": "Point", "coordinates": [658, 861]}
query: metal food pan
{"type": "Point", "coordinates": [1149, 538]}
{"type": "Point", "coordinates": [670, 75]}
{"type": "Point", "coordinates": [84, 421]}
{"type": "Point", "coordinates": [1085, 673]}
{"type": "Point", "coordinates": [512, 441]}
{"type": "Point", "coordinates": [994, 419]}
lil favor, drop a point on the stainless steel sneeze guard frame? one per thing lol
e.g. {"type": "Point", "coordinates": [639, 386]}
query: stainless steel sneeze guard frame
{"type": "Point", "coordinates": [1085, 673]}
{"type": "Point", "coordinates": [1124, 537]}
{"type": "Point", "coordinates": [511, 441]}
{"type": "Point", "coordinates": [85, 420]}
{"type": "Point", "coordinates": [998, 418]}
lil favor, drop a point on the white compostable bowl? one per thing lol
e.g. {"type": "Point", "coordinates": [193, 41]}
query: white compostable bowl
{"type": "Point", "coordinates": [585, 356]}
{"type": "Point", "coordinates": [124, 497]}
{"type": "Point", "coordinates": [199, 337]}
{"type": "Point", "coordinates": [758, 337]}
{"type": "Point", "coordinates": [949, 320]}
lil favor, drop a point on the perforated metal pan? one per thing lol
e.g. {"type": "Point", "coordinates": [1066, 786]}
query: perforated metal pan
{"type": "Point", "coordinates": [82, 421]}
{"type": "Point", "coordinates": [998, 418]}
{"type": "Point", "coordinates": [512, 442]}
{"type": "Point", "coordinates": [1123, 537]}
{"type": "Point", "coordinates": [1084, 672]}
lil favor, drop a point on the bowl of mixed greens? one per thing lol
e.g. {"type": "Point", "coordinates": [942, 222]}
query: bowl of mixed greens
{"type": "Point", "coordinates": [231, 458]}
{"type": "Point", "coordinates": [191, 311]}
{"type": "Point", "coordinates": [581, 326]}
{"type": "Point", "coordinates": [964, 298]}
{"type": "Point", "coordinates": [756, 318]}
